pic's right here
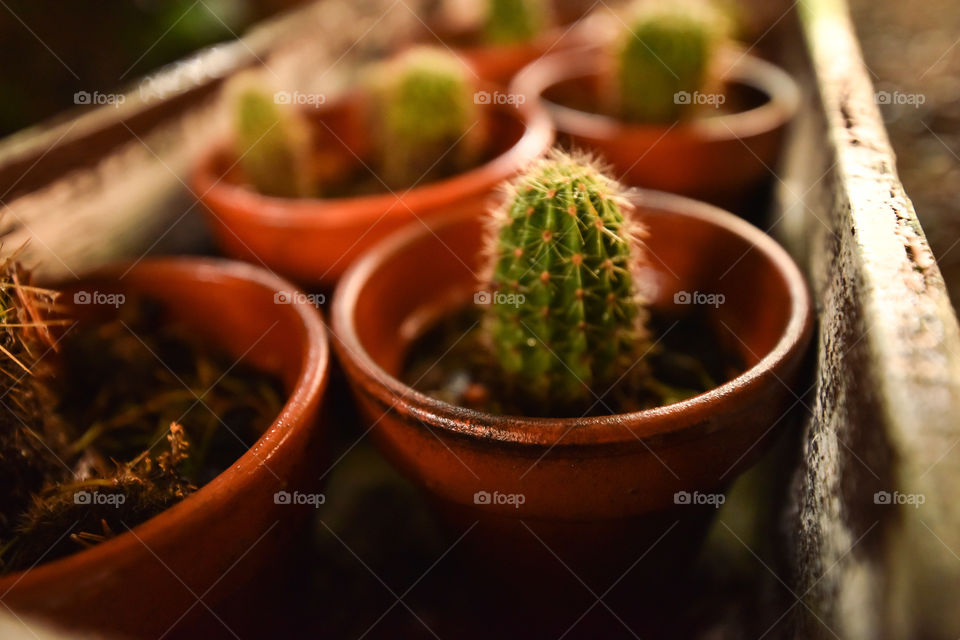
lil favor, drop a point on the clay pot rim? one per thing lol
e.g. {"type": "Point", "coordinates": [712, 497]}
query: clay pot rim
{"type": "Point", "coordinates": [552, 37]}
{"type": "Point", "coordinates": [627, 429]}
{"type": "Point", "coordinates": [740, 67]}
{"type": "Point", "coordinates": [468, 38]}
{"type": "Point", "coordinates": [256, 207]}
{"type": "Point", "coordinates": [248, 469]}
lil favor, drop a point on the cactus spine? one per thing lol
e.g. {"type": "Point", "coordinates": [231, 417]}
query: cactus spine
{"type": "Point", "coordinates": [564, 243]}
{"type": "Point", "coordinates": [272, 143]}
{"type": "Point", "coordinates": [664, 53]}
{"type": "Point", "coordinates": [513, 21]}
{"type": "Point", "coordinates": [425, 116]}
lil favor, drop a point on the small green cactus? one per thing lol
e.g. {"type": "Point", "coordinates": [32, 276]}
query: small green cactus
{"type": "Point", "coordinates": [565, 249]}
{"type": "Point", "coordinates": [426, 120]}
{"type": "Point", "coordinates": [663, 58]}
{"type": "Point", "coordinates": [514, 21]}
{"type": "Point", "coordinates": [272, 143]}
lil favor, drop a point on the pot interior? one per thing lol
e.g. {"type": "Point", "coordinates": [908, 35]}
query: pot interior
{"type": "Point", "coordinates": [230, 313]}
{"type": "Point", "coordinates": [694, 265]}
{"type": "Point", "coordinates": [590, 93]}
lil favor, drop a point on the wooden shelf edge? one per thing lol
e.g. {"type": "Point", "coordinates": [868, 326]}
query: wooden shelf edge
{"type": "Point", "coordinates": [885, 409]}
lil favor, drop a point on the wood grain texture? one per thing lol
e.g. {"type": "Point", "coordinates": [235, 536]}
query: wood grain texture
{"type": "Point", "coordinates": [884, 414]}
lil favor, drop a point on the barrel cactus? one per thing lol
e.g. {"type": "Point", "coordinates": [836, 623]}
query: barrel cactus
{"type": "Point", "coordinates": [514, 21]}
{"type": "Point", "coordinates": [425, 119]}
{"type": "Point", "coordinates": [663, 58]}
{"type": "Point", "coordinates": [271, 141]}
{"type": "Point", "coordinates": [566, 320]}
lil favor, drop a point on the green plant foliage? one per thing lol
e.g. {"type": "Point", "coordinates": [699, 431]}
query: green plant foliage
{"type": "Point", "coordinates": [272, 143]}
{"type": "Point", "coordinates": [426, 120]}
{"type": "Point", "coordinates": [513, 21]}
{"type": "Point", "coordinates": [665, 52]}
{"type": "Point", "coordinates": [566, 319]}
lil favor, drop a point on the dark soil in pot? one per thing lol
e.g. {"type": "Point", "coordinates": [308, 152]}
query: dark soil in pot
{"type": "Point", "coordinates": [450, 362]}
{"type": "Point", "coordinates": [142, 412]}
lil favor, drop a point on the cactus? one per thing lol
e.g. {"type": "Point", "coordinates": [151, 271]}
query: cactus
{"type": "Point", "coordinates": [426, 120]}
{"type": "Point", "coordinates": [562, 241]}
{"type": "Point", "coordinates": [272, 143]}
{"type": "Point", "coordinates": [664, 57]}
{"type": "Point", "coordinates": [513, 21]}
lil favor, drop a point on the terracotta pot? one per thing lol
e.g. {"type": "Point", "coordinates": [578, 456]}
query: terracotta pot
{"type": "Point", "coordinates": [145, 582]}
{"type": "Point", "coordinates": [581, 478]}
{"type": "Point", "coordinates": [717, 158]}
{"type": "Point", "coordinates": [314, 240]}
{"type": "Point", "coordinates": [500, 63]}
{"type": "Point", "coordinates": [568, 27]}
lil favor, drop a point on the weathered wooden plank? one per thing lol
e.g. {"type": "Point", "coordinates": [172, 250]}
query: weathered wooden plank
{"type": "Point", "coordinates": [885, 414]}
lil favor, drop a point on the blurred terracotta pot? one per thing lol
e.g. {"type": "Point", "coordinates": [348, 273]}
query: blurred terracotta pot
{"type": "Point", "coordinates": [580, 478]}
{"type": "Point", "coordinates": [499, 63]}
{"type": "Point", "coordinates": [718, 156]}
{"type": "Point", "coordinates": [313, 240]}
{"type": "Point", "coordinates": [144, 582]}
{"type": "Point", "coordinates": [568, 27]}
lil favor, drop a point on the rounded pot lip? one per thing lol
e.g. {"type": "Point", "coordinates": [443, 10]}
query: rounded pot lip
{"type": "Point", "coordinates": [616, 429]}
{"type": "Point", "coordinates": [740, 68]}
{"type": "Point", "coordinates": [537, 137]}
{"type": "Point", "coordinates": [549, 39]}
{"type": "Point", "coordinates": [246, 470]}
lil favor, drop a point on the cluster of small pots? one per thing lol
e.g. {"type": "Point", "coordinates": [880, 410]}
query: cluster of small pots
{"type": "Point", "coordinates": [403, 260]}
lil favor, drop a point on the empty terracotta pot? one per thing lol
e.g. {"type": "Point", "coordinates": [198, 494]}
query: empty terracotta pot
{"type": "Point", "coordinates": [579, 477]}
{"type": "Point", "coordinates": [720, 155]}
{"type": "Point", "coordinates": [146, 582]}
{"type": "Point", "coordinates": [313, 240]}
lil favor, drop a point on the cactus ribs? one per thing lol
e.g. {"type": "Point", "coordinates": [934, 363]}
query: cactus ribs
{"type": "Point", "coordinates": [562, 322]}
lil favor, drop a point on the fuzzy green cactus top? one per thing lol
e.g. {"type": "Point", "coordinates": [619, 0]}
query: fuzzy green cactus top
{"type": "Point", "coordinates": [272, 142]}
{"type": "Point", "coordinates": [664, 52]}
{"type": "Point", "coordinates": [513, 21]}
{"type": "Point", "coordinates": [567, 252]}
{"type": "Point", "coordinates": [425, 116]}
